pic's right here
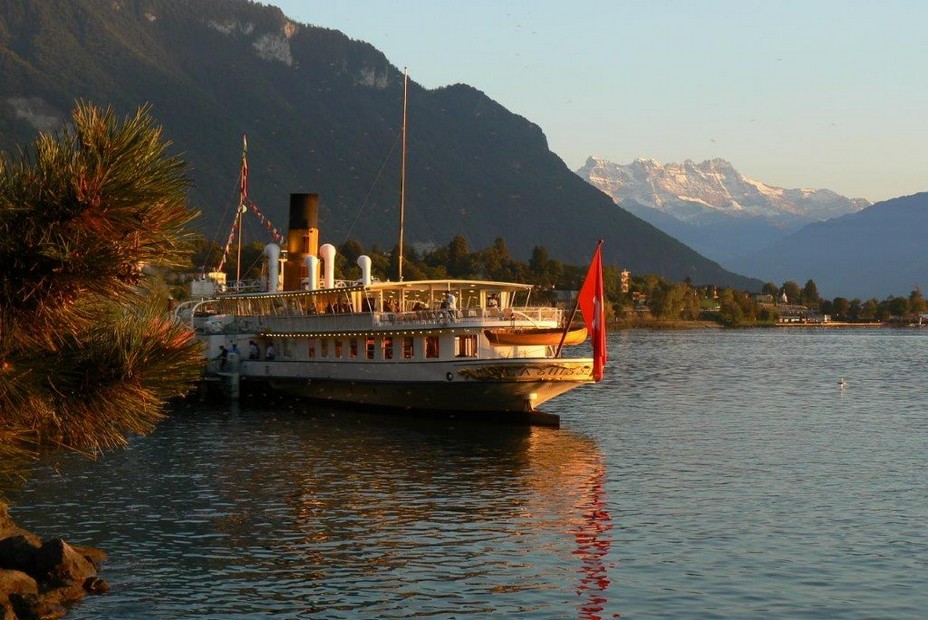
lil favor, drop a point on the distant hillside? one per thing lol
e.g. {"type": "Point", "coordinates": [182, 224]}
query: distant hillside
{"type": "Point", "coordinates": [322, 113]}
{"type": "Point", "coordinates": [880, 251]}
{"type": "Point", "coordinates": [711, 206]}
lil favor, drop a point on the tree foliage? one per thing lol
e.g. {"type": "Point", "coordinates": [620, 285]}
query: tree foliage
{"type": "Point", "coordinates": [810, 295]}
{"type": "Point", "coordinates": [736, 308]}
{"type": "Point", "coordinates": [916, 301]}
{"type": "Point", "coordinates": [792, 291]}
{"type": "Point", "coordinates": [87, 353]}
{"type": "Point", "coordinates": [675, 301]}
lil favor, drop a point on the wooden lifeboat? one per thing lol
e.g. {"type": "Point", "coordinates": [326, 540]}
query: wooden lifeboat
{"type": "Point", "coordinates": [534, 336]}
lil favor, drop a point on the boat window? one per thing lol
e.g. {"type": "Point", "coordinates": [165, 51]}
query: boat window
{"type": "Point", "coordinates": [431, 346]}
{"type": "Point", "coordinates": [370, 348]}
{"type": "Point", "coordinates": [325, 347]}
{"type": "Point", "coordinates": [407, 347]}
{"type": "Point", "coordinates": [465, 346]}
{"type": "Point", "coordinates": [353, 348]}
{"type": "Point", "coordinates": [311, 350]}
{"type": "Point", "coordinates": [338, 348]}
{"type": "Point", "coordinates": [387, 344]}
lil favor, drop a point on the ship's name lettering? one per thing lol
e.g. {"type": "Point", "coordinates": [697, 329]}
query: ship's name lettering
{"type": "Point", "coordinates": [552, 371]}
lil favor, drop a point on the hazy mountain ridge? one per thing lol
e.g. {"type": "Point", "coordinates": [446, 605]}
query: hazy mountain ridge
{"type": "Point", "coordinates": [879, 251]}
{"type": "Point", "coordinates": [322, 113]}
{"type": "Point", "coordinates": [715, 209]}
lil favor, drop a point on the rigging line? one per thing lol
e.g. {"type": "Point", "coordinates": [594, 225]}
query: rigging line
{"type": "Point", "coordinates": [371, 188]}
{"type": "Point", "coordinates": [221, 225]}
{"type": "Point", "coordinates": [257, 262]}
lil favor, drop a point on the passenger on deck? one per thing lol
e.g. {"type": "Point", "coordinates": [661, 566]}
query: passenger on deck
{"type": "Point", "coordinates": [449, 305]}
{"type": "Point", "coordinates": [269, 352]}
{"type": "Point", "coordinates": [223, 357]}
{"type": "Point", "coordinates": [253, 352]}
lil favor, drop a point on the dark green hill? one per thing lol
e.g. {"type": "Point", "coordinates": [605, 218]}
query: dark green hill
{"type": "Point", "coordinates": [322, 113]}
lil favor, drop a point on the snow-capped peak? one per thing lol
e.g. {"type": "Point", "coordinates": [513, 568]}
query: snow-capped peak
{"type": "Point", "coordinates": [692, 191]}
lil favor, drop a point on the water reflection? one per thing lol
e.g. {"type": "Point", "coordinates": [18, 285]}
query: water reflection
{"type": "Point", "coordinates": [333, 513]}
{"type": "Point", "coordinates": [742, 483]}
{"type": "Point", "coordinates": [569, 470]}
{"type": "Point", "coordinates": [593, 543]}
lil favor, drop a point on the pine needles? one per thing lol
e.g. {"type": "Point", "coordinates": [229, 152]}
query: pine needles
{"type": "Point", "coordinates": [87, 353]}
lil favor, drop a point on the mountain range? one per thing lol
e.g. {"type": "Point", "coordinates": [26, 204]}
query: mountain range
{"type": "Point", "coordinates": [322, 113]}
{"type": "Point", "coordinates": [874, 253]}
{"type": "Point", "coordinates": [711, 206]}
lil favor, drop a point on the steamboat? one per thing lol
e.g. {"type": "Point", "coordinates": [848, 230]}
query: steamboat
{"type": "Point", "coordinates": [444, 345]}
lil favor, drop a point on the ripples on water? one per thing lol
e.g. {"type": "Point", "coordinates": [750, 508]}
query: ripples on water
{"type": "Point", "coordinates": [333, 515]}
{"type": "Point", "coordinates": [714, 474]}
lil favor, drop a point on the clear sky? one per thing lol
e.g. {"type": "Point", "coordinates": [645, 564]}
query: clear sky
{"type": "Point", "coordinates": [795, 93]}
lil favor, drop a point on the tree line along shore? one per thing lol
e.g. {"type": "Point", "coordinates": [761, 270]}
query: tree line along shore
{"type": "Point", "coordinates": [634, 299]}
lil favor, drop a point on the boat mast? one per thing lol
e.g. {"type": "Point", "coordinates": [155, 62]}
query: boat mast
{"type": "Point", "coordinates": [238, 260]}
{"type": "Point", "coordinates": [240, 212]}
{"type": "Point", "coordinates": [403, 176]}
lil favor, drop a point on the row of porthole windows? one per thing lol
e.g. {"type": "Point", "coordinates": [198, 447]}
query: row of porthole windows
{"type": "Point", "coordinates": [388, 347]}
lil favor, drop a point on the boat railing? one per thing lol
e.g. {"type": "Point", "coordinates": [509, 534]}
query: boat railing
{"type": "Point", "coordinates": [245, 286]}
{"type": "Point", "coordinates": [326, 322]}
{"type": "Point", "coordinates": [518, 314]}
{"type": "Point", "coordinates": [355, 321]}
{"type": "Point", "coordinates": [188, 311]}
{"type": "Point", "coordinates": [538, 314]}
{"type": "Point", "coordinates": [415, 317]}
{"type": "Point", "coordinates": [533, 316]}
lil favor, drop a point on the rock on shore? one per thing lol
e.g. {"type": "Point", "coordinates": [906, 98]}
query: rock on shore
{"type": "Point", "coordinates": [40, 580]}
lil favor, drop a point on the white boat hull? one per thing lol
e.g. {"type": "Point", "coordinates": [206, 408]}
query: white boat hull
{"type": "Point", "coordinates": [509, 385]}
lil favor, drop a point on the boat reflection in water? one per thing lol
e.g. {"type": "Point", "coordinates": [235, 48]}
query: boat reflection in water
{"type": "Point", "coordinates": [335, 514]}
{"type": "Point", "coordinates": [396, 515]}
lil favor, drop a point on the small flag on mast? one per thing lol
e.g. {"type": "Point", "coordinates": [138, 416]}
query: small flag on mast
{"type": "Point", "coordinates": [244, 188]}
{"type": "Point", "coordinates": [592, 300]}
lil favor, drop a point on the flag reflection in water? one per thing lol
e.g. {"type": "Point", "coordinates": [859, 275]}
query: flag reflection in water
{"type": "Point", "coordinates": [572, 466]}
{"type": "Point", "coordinates": [593, 543]}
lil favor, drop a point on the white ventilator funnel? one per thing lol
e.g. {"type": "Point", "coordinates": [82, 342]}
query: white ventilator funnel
{"type": "Point", "coordinates": [272, 251]}
{"type": "Point", "coordinates": [312, 266]}
{"type": "Point", "coordinates": [364, 262]}
{"type": "Point", "coordinates": [327, 254]}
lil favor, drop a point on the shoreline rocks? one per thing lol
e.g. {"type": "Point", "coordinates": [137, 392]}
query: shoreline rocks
{"type": "Point", "coordinates": [41, 580]}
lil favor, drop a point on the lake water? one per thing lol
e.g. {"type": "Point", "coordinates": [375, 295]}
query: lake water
{"type": "Point", "coordinates": [713, 474]}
